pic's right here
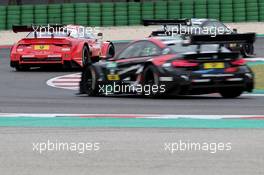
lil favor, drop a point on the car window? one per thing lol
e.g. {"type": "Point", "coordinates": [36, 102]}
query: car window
{"type": "Point", "coordinates": [208, 24]}
{"type": "Point", "coordinates": [81, 33]}
{"type": "Point", "coordinates": [216, 24]}
{"type": "Point", "coordinates": [221, 25]}
{"type": "Point", "coordinates": [89, 35]}
{"type": "Point", "coordinates": [150, 49]}
{"type": "Point", "coordinates": [85, 34]}
{"type": "Point", "coordinates": [134, 50]}
{"type": "Point", "coordinates": [140, 49]}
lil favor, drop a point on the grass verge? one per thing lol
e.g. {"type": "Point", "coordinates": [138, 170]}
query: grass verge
{"type": "Point", "coordinates": [259, 76]}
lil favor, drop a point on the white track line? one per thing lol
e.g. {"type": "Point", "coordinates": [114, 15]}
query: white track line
{"type": "Point", "coordinates": [149, 116]}
{"type": "Point", "coordinates": [253, 95]}
{"type": "Point", "coordinates": [75, 79]}
{"type": "Point", "coordinates": [254, 59]}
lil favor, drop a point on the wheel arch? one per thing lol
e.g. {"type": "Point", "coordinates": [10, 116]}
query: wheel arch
{"type": "Point", "coordinates": [105, 49]}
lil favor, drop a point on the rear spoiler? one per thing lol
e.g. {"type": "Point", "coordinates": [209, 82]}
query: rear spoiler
{"type": "Point", "coordinates": [35, 28]}
{"type": "Point", "coordinates": [17, 29]}
{"type": "Point", "coordinates": [165, 22]}
{"type": "Point", "coordinates": [223, 39]}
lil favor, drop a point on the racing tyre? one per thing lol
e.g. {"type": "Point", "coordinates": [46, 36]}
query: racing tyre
{"type": "Point", "coordinates": [230, 92]}
{"type": "Point", "coordinates": [151, 79]}
{"type": "Point", "coordinates": [111, 51]}
{"type": "Point", "coordinates": [86, 59]}
{"type": "Point", "coordinates": [88, 83]}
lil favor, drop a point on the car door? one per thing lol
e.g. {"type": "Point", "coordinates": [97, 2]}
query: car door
{"type": "Point", "coordinates": [131, 60]}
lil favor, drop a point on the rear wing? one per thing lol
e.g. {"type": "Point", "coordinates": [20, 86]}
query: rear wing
{"type": "Point", "coordinates": [17, 29]}
{"type": "Point", "coordinates": [223, 39]}
{"type": "Point", "coordinates": [36, 28]}
{"type": "Point", "coordinates": [165, 22]}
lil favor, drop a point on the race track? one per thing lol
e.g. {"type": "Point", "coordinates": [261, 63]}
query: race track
{"type": "Point", "coordinates": [27, 92]}
{"type": "Point", "coordinates": [124, 150]}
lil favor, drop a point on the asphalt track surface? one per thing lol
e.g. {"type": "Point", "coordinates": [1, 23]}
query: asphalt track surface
{"type": "Point", "coordinates": [27, 92]}
{"type": "Point", "coordinates": [130, 152]}
{"type": "Point", "coordinates": [123, 151]}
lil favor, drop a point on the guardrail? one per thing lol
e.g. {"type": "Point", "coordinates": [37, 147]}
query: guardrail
{"type": "Point", "coordinates": [131, 13]}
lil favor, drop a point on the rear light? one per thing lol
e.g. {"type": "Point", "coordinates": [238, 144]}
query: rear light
{"type": "Point", "coordinates": [231, 69]}
{"type": "Point", "coordinates": [239, 62]}
{"type": "Point", "coordinates": [20, 48]}
{"type": "Point", "coordinates": [183, 63]}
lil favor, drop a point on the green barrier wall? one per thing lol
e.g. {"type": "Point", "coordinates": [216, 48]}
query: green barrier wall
{"type": "Point", "coordinates": [131, 13]}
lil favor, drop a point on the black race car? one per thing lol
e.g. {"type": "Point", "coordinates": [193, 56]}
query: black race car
{"type": "Point", "coordinates": [169, 65]}
{"type": "Point", "coordinates": [195, 26]}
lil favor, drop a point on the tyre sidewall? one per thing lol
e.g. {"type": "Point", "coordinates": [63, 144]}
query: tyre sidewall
{"type": "Point", "coordinates": [89, 70]}
{"type": "Point", "coordinates": [151, 70]}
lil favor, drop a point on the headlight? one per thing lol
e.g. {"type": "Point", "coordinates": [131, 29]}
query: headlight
{"type": "Point", "coordinates": [20, 50]}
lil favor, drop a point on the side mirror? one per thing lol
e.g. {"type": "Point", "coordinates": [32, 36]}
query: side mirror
{"type": "Point", "coordinates": [100, 34]}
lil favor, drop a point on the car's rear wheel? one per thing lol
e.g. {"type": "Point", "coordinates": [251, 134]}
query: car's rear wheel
{"type": "Point", "coordinates": [86, 59]}
{"type": "Point", "coordinates": [231, 92]}
{"type": "Point", "coordinates": [89, 84]}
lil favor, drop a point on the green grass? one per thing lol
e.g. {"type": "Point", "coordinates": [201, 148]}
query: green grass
{"type": "Point", "coordinates": [259, 76]}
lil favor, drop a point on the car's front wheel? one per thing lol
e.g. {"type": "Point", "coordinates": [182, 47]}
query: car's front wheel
{"type": "Point", "coordinates": [89, 84]}
{"type": "Point", "coordinates": [231, 92]}
{"type": "Point", "coordinates": [151, 83]}
{"type": "Point", "coordinates": [86, 59]}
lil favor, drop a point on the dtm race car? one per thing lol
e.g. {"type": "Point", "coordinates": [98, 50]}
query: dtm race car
{"type": "Point", "coordinates": [68, 46]}
{"type": "Point", "coordinates": [195, 26]}
{"type": "Point", "coordinates": [173, 66]}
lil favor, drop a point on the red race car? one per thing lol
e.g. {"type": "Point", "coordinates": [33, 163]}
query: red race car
{"type": "Point", "coordinates": [65, 45]}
